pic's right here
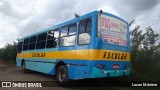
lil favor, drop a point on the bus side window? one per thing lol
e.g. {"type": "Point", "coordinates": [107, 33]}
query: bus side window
{"type": "Point", "coordinates": [89, 25]}
{"type": "Point", "coordinates": [32, 42]}
{"type": "Point", "coordinates": [41, 41]}
{"type": "Point", "coordinates": [25, 45]}
{"type": "Point", "coordinates": [70, 38]}
{"type": "Point", "coordinates": [19, 47]}
{"type": "Point", "coordinates": [73, 29]}
{"type": "Point", "coordinates": [52, 38]}
{"type": "Point", "coordinates": [64, 31]}
{"type": "Point", "coordinates": [85, 27]}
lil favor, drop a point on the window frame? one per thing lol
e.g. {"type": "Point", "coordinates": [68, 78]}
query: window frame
{"type": "Point", "coordinates": [32, 42]}
{"type": "Point", "coordinates": [25, 44]}
{"type": "Point", "coordinates": [42, 40]}
{"type": "Point", "coordinates": [54, 30]}
{"type": "Point", "coordinates": [75, 23]}
{"type": "Point", "coordinates": [61, 31]}
{"type": "Point", "coordinates": [86, 19]}
{"type": "Point", "coordinates": [19, 51]}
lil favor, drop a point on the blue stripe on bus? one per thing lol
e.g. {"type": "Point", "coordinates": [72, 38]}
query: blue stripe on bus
{"type": "Point", "coordinates": [80, 66]}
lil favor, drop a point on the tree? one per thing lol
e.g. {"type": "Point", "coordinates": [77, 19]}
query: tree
{"type": "Point", "coordinates": [8, 52]}
{"type": "Point", "coordinates": [145, 60]}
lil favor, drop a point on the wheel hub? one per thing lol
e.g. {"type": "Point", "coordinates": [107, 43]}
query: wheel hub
{"type": "Point", "coordinates": [62, 76]}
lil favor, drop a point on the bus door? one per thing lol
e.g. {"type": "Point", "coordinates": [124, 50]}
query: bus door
{"type": "Point", "coordinates": [83, 44]}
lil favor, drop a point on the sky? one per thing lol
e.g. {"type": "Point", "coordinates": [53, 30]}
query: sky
{"type": "Point", "coordinates": [19, 18]}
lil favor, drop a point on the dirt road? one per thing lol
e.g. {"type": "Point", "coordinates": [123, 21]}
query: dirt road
{"type": "Point", "coordinates": [13, 73]}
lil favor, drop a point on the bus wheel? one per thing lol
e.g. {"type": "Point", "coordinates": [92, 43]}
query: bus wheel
{"type": "Point", "coordinates": [24, 67]}
{"type": "Point", "coordinates": [62, 75]}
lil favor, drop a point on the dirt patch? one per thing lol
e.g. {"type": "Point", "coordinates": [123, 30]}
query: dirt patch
{"type": "Point", "coordinates": [5, 64]}
{"type": "Point", "coordinates": [9, 72]}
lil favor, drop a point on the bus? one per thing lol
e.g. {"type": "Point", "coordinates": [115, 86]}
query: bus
{"type": "Point", "coordinates": [94, 45]}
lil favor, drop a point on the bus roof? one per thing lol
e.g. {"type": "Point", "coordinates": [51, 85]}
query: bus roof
{"type": "Point", "coordinates": [72, 21]}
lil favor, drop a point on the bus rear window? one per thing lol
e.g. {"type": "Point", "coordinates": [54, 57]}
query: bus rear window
{"type": "Point", "coordinates": [112, 30]}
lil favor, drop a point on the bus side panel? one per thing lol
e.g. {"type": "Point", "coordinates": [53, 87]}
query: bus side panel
{"type": "Point", "coordinates": [93, 44]}
{"type": "Point", "coordinates": [41, 65]}
{"type": "Point", "coordinates": [77, 69]}
{"type": "Point", "coordinates": [81, 72]}
{"type": "Point", "coordinates": [71, 72]}
{"type": "Point", "coordinates": [45, 67]}
{"type": "Point", "coordinates": [18, 62]}
{"type": "Point", "coordinates": [29, 65]}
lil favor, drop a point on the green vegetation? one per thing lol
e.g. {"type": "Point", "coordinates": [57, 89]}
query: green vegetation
{"type": "Point", "coordinates": [145, 55]}
{"type": "Point", "coordinates": [8, 52]}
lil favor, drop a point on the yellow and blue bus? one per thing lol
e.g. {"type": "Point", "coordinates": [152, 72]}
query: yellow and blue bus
{"type": "Point", "coordinates": [94, 45]}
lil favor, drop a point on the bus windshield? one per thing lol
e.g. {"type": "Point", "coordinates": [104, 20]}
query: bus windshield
{"type": "Point", "coordinates": [112, 30]}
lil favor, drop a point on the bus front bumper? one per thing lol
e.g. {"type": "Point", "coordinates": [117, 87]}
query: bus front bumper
{"type": "Point", "coordinates": [97, 73]}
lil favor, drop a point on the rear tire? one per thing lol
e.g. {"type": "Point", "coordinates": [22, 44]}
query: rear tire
{"type": "Point", "coordinates": [24, 67]}
{"type": "Point", "coordinates": [62, 76]}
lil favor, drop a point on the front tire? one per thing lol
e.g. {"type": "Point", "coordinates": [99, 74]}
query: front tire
{"type": "Point", "coordinates": [62, 75]}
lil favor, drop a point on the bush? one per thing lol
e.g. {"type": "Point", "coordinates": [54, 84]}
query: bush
{"type": "Point", "coordinates": [145, 52]}
{"type": "Point", "coordinates": [8, 52]}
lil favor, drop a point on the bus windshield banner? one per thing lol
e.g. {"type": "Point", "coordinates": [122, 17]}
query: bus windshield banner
{"type": "Point", "coordinates": [112, 30]}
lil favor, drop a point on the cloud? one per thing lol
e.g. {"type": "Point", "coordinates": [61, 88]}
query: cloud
{"type": "Point", "coordinates": [23, 17]}
{"type": "Point", "coordinates": [137, 5]}
{"type": "Point", "coordinates": [130, 9]}
{"type": "Point", "coordinates": [149, 18]}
